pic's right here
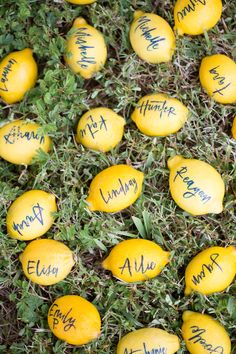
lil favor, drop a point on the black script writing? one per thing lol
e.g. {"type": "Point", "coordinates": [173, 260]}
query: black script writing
{"type": "Point", "coordinates": [16, 134]}
{"type": "Point", "coordinates": [207, 268]}
{"type": "Point", "coordinates": [81, 41]}
{"type": "Point", "coordinates": [191, 7]}
{"type": "Point", "coordinates": [37, 214]}
{"type": "Point", "coordinates": [220, 80]}
{"type": "Point", "coordinates": [156, 106]}
{"type": "Point", "coordinates": [191, 186]}
{"type": "Point", "coordinates": [138, 266]}
{"type": "Point", "coordinates": [6, 70]}
{"type": "Point", "coordinates": [197, 338]}
{"type": "Point", "coordinates": [93, 127]}
{"type": "Point", "coordinates": [147, 33]}
{"type": "Point", "coordinates": [68, 322]}
{"type": "Point", "coordinates": [221, 89]}
{"type": "Point", "coordinates": [34, 267]}
{"type": "Point", "coordinates": [132, 351]}
{"type": "Point", "coordinates": [144, 350]}
{"type": "Point", "coordinates": [123, 190]}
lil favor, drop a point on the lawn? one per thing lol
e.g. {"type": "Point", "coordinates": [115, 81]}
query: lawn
{"type": "Point", "coordinates": [57, 102]}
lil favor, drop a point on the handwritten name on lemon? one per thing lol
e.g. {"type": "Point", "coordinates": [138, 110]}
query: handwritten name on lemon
{"type": "Point", "coordinates": [34, 267]}
{"type": "Point", "coordinates": [37, 214]}
{"type": "Point", "coordinates": [207, 269]}
{"type": "Point", "coordinates": [221, 80]}
{"type": "Point", "coordinates": [192, 189]}
{"type": "Point", "coordinates": [143, 25]}
{"type": "Point", "coordinates": [6, 70]}
{"type": "Point", "coordinates": [125, 188]}
{"type": "Point", "coordinates": [198, 338]}
{"type": "Point", "coordinates": [81, 35]}
{"type": "Point", "coordinates": [156, 106]}
{"type": "Point", "coordinates": [137, 266]}
{"type": "Point", "coordinates": [145, 350]}
{"type": "Point", "coordinates": [65, 318]}
{"type": "Point", "coordinates": [16, 134]}
{"type": "Point", "coordinates": [92, 127]}
{"type": "Point", "coordinates": [191, 7]}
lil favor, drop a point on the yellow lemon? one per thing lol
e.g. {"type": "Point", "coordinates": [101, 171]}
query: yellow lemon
{"type": "Point", "coordinates": [115, 188]}
{"type": "Point", "coordinates": [20, 141]}
{"type": "Point", "coordinates": [159, 115]}
{"type": "Point", "coordinates": [30, 215]}
{"type": "Point", "coordinates": [204, 335]}
{"type": "Point", "coordinates": [46, 262]}
{"type": "Point", "coordinates": [195, 186]}
{"type": "Point", "coordinates": [212, 270]}
{"type": "Point", "coordinates": [152, 38]}
{"type": "Point", "coordinates": [81, 2]}
{"type": "Point", "coordinates": [86, 51]}
{"type": "Point", "coordinates": [75, 320]}
{"type": "Point", "coordinates": [218, 78]}
{"type": "Point", "coordinates": [136, 260]}
{"type": "Point", "coordinates": [18, 74]}
{"type": "Point", "coordinates": [196, 16]}
{"type": "Point", "coordinates": [148, 340]}
{"type": "Point", "coordinates": [100, 129]}
{"type": "Point", "coordinates": [234, 128]}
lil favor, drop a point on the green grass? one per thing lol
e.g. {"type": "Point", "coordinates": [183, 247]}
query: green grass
{"type": "Point", "coordinates": [57, 101]}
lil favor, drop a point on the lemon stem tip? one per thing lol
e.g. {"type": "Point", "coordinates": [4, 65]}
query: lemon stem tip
{"type": "Point", "coordinates": [79, 21]}
{"type": "Point", "coordinates": [174, 160]}
{"type": "Point", "coordinates": [138, 14]}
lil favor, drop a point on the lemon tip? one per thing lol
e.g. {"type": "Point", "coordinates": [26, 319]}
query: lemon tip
{"type": "Point", "coordinates": [178, 30]}
{"type": "Point", "coordinates": [186, 315]}
{"type": "Point", "coordinates": [86, 76]}
{"type": "Point", "coordinates": [138, 13]}
{"type": "Point", "coordinates": [122, 121]}
{"type": "Point", "coordinates": [174, 160]}
{"type": "Point", "coordinates": [90, 204]}
{"type": "Point", "coordinates": [217, 208]}
{"type": "Point", "coordinates": [105, 263]}
{"type": "Point", "coordinates": [79, 21]}
{"type": "Point", "coordinates": [187, 291]}
{"type": "Point", "coordinates": [168, 257]}
{"type": "Point", "coordinates": [28, 51]}
{"type": "Point", "coordinates": [142, 176]}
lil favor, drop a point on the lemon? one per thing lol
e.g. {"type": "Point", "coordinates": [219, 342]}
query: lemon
{"type": "Point", "coordinates": [100, 129]}
{"type": "Point", "coordinates": [74, 320]}
{"type": "Point", "coordinates": [212, 270]}
{"type": "Point", "coordinates": [86, 51]}
{"type": "Point", "coordinates": [159, 115]}
{"type": "Point", "coordinates": [18, 74]}
{"type": "Point", "coordinates": [204, 335]}
{"type": "Point", "coordinates": [20, 141]}
{"type": "Point", "coordinates": [152, 38]}
{"type": "Point", "coordinates": [234, 128]}
{"type": "Point", "coordinates": [46, 262]}
{"type": "Point", "coordinates": [218, 78]}
{"type": "Point", "coordinates": [136, 260]}
{"type": "Point", "coordinates": [30, 215]}
{"type": "Point", "coordinates": [196, 16]}
{"type": "Point", "coordinates": [81, 2]}
{"type": "Point", "coordinates": [195, 186]}
{"type": "Point", "coordinates": [115, 188]}
{"type": "Point", "coordinates": [148, 340]}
